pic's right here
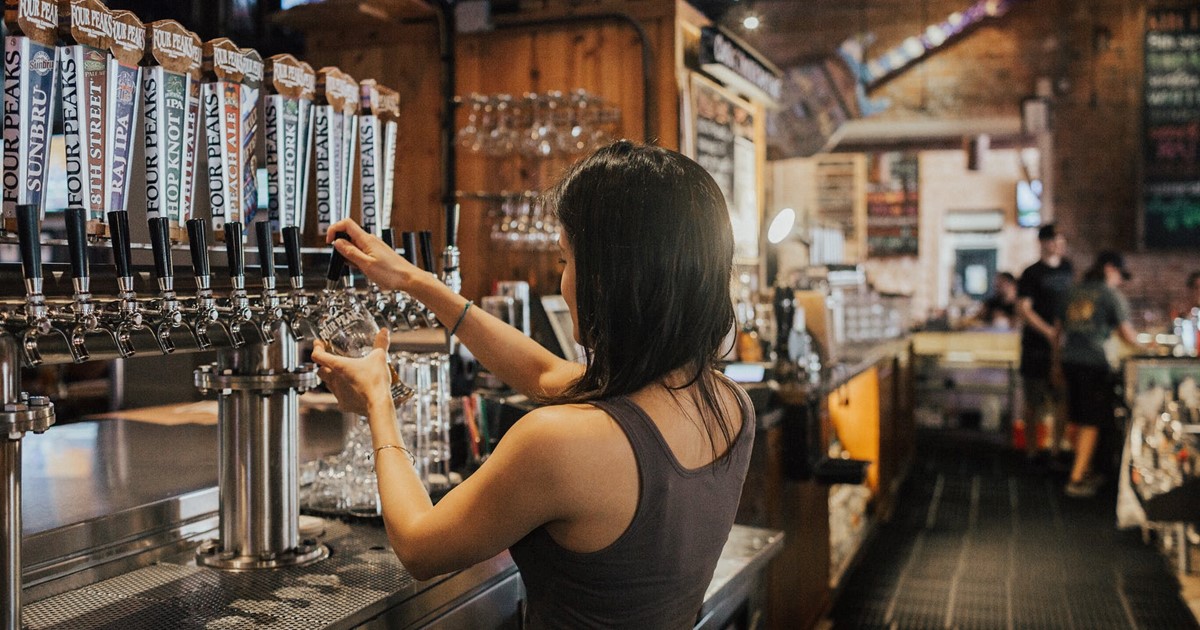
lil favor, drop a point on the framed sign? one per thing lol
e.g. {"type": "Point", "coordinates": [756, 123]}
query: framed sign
{"type": "Point", "coordinates": [722, 141]}
{"type": "Point", "coordinates": [893, 204]}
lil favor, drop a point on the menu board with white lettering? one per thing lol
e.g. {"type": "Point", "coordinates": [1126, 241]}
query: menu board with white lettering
{"type": "Point", "coordinates": [1171, 129]}
{"type": "Point", "coordinates": [723, 143]}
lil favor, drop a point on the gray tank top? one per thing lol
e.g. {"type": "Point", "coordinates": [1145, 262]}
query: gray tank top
{"type": "Point", "coordinates": [655, 574]}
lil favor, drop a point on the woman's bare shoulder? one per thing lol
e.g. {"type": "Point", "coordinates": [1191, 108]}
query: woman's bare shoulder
{"type": "Point", "coordinates": [566, 433]}
{"type": "Point", "coordinates": [564, 421]}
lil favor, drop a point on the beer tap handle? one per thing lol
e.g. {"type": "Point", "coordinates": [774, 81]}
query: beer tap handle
{"type": "Point", "coordinates": [206, 314]}
{"type": "Point", "coordinates": [301, 323]}
{"type": "Point", "coordinates": [388, 236]}
{"type": "Point", "coordinates": [76, 221]}
{"type": "Point", "coordinates": [427, 251]}
{"type": "Point", "coordinates": [409, 240]}
{"type": "Point", "coordinates": [453, 213]}
{"type": "Point", "coordinates": [118, 229]}
{"type": "Point", "coordinates": [450, 255]}
{"type": "Point", "coordinates": [131, 318]}
{"type": "Point", "coordinates": [337, 263]}
{"type": "Point", "coordinates": [29, 231]}
{"type": "Point", "coordinates": [197, 228]}
{"type": "Point", "coordinates": [172, 317]}
{"type": "Point", "coordinates": [86, 320]}
{"type": "Point", "coordinates": [28, 234]}
{"type": "Point", "coordinates": [160, 242]}
{"type": "Point", "coordinates": [235, 250]}
{"type": "Point", "coordinates": [266, 250]}
{"type": "Point", "coordinates": [291, 249]}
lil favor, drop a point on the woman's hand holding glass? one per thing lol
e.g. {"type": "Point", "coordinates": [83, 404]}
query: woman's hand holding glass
{"type": "Point", "coordinates": [380, 263]}
{"type": "Point", "coordinates": [360, 384]}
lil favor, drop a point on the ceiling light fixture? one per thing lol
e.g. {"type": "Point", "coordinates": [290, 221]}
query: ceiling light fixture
{"type": "Point", "coordinates": [781, 226]}
{"type": "Point", "coordinates": [751, 22]}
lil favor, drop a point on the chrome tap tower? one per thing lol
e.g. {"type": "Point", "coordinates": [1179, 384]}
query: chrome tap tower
{"type": "Point", "coordinates": [200, 110]}
{"type": "Point", "coordinates": [259, 377]}
{"type": "Point", "coordinates": [29, 82]}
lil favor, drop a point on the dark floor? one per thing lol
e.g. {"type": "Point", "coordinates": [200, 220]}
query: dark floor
{"type": "Point", "coordinates": [979, 540]}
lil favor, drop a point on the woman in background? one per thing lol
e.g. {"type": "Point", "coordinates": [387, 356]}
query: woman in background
{"type": "Point", "coordinates": [617, 497]}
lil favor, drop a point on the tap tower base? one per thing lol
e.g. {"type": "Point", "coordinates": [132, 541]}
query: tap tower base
{"type": "Point", "coordinates": [257, 387]}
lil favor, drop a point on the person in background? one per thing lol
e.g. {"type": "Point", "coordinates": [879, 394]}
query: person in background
{"type": "Point", "coordinates": [1093, 311]}
{"type": "Point", "coordinates": [1191, 299]}
{"type": "Point", "coordinates": [1041, 293]}
{"type": "Point", "coordinates": [999, 310]}
{"type": "Point", "coordinates": [616, 498]}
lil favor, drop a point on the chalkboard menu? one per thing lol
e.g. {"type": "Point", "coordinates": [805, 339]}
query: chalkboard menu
{"type": "Point", "coordinates": [893, 204]}
{"type": "Point", "coordinates": [1171, 128]}
{"type": "Point", "coordinates": [724, 145]}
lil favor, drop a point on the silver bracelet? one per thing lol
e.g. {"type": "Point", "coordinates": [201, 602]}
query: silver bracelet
{"type": "Point", "coordinates": [411, 459]}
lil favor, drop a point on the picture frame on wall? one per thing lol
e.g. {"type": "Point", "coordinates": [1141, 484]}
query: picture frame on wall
{"type": "Point", "coordinates": [720, 136]}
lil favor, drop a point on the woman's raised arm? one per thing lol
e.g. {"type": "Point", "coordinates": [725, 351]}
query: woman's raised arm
{"type": "Point", "coordinates": [517, 360]}
{"type": "Point", "coordinates": [526, 482]}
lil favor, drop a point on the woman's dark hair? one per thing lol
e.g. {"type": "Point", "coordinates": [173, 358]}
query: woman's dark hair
{"type": "Point", "coordinates": [653, 249]}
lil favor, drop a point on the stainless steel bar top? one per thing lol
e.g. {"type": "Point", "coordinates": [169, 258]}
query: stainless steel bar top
{"type": "Point", "coordinates": [361, 581]}
{"type": "Point", "coordinates": [105, 489]}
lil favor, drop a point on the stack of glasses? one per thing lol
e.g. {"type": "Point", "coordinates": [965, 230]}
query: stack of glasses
{"type": "Point", "coordinates": [345, 483]}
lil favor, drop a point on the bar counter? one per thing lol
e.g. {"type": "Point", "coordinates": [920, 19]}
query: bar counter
{"type": "Point", "coordinates": [115, 507]}
{"type": "Point", "coordinates": [863, 402]}
{"type": "Point", "coordinates": [854, 360]}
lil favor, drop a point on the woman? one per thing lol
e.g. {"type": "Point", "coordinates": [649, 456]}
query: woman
{"type": "Point", "coordinates": [616, 498]}
{"type": "Point", "coordinates": [1094, 309]}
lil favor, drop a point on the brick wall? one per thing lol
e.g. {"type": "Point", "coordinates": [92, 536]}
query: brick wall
{"type": "Point", "coordinates": [1090, 50]}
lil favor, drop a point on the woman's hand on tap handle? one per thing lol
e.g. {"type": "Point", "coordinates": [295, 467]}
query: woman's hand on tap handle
{"type": "Point", "coordinates": [380, 263]}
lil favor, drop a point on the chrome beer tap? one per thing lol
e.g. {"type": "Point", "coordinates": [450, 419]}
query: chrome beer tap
{"type": "Point", "coordinates": [427, 263]}
{"type": "Point", "coordinates": [300, 309]}
{"type": "Point", "coordinates": [335, 273]}
{"type": "Point", "coordinates": [383, 305]}
{"type": "Point", "coordinates": [396, 309]}
{"type": "Point", "coordinates": [170, 317]}
{"type": "Point", "coordinates": [412, 310]}
{"type": "Point", "coordinates": [288, 117]}
{"type": "Point", "coordinates": [451, 276]}
{"type": "Point", "coordinates": [83, 310]}
{"type": "Point", "coordinates": [204, 314]}
{"type": "Point", "coordinates": [37, 322]}
{"type": "Point", "coordinates": [271, 311]}
{"type": "Point", "coordinates": [124, 317]}
{"type": "Point", "coordinates": [80, 319]}
{"type": "Point", "coordinates": [237, 314]}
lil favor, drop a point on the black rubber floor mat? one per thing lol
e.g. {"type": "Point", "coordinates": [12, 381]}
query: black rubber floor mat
{"type": "Point", "coordinates": [980, 539]}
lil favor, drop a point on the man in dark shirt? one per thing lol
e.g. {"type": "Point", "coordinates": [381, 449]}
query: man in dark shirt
{"type": "Point", "coordinates": [1041, 294]}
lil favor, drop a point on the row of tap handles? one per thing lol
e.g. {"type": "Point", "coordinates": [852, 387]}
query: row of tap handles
{"type": "Point", "coordinates": [203, 319]}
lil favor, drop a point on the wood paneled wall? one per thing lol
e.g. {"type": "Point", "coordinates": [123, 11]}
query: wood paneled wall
{"type": "Point", "coordinates": [404, 58]}
{"type": "Point", "coordinates": [604, 58]}
{"type": "Point", "coordinates": [579, 50]}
